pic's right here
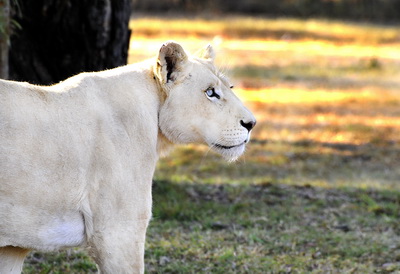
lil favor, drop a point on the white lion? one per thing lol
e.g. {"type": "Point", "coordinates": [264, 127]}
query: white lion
{"type": "Point", "coordinates": [77, 158]}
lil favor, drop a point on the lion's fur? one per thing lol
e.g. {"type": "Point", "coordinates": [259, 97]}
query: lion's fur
{"type": "Point", "coordinates": [77, 158]}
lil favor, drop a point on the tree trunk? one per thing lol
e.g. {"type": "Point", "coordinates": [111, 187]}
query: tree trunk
{"type": "Point", "coordinates": [60, 38]}
{"type": "Point", "coordinates": [4, 37]}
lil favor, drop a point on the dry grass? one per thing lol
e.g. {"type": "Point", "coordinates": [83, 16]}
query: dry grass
{"type": "Point", "coordinates": [271, 29]}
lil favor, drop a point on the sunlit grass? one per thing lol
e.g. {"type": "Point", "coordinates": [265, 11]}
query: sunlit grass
{"type": "Point", "coordinates": [146, 46]}
{"type": "Point", "coordinates": [307, 96]}
{"type": "Point", "coordinates": [262, 27]}
{"type": "Point", "coordinates": [316, 48]}
{"type": "Point", "coordinates": [256, 39]}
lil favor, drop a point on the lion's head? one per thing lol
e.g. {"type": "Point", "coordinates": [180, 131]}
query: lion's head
{"type": "Point", "coordinates": [199, 105]}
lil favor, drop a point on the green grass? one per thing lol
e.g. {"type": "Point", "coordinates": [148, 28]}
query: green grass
{"type": "Point", "coordinates": [254, 228]}
{"type": "Point", "coordinates": [69, 261]}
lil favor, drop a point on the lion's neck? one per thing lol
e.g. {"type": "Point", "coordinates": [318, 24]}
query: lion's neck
{"type": "Point", "coordinates": [164, 146]}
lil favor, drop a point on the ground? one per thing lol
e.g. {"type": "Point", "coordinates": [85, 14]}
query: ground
{"type": "Point", "coordinates": [317, 190]}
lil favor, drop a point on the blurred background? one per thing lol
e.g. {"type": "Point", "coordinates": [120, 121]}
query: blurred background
{"type": "Point", "coordinates": [321, 76]}
{"type": "Point", "coordinates": [318, 187]}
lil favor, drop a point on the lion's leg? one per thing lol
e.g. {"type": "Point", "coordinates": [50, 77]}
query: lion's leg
{"type": "Point", "coordinates": [118, 241]}
{"type": "Point", "coordinates": [120, 251]}
{"type": "Point", "coordinates": [12, 259]}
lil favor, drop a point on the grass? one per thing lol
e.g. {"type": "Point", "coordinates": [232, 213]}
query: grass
{"type": "Point", "coordinates": [254, 228]}
{"type": "Point", "coordinates": [317, 190]}
{"type": "Point", "coordinates": [250, 27]}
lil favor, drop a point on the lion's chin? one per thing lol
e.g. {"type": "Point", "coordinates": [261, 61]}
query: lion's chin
{"type": "Point", "coordinates": [231, 153]}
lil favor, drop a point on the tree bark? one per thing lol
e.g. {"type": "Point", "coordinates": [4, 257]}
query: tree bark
{"type": "Point", "coordinates": [61, 38]}
{"type": "Point", "coordinates": [4, 37]}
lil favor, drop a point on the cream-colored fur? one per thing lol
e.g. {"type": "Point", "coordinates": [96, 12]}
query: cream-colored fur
{"type": "Point", "coordinates": [77, 158]}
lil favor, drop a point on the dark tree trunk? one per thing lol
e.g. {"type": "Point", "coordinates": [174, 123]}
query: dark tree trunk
{"type": "Point", "coordinates": [4, 37]}
{"type": "Point", "coordinates": [60, 38]}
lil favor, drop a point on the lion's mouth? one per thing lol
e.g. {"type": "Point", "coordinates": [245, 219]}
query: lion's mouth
{"type": "Point", "coordinates": [230, 152]}
{"type": "Point", "coordinates": [229, 147]}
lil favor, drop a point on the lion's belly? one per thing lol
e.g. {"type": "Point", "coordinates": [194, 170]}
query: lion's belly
{"type": "Point", "coordinates": [39, 229]}
{"type": "Point", "coordinates": [63, 231]}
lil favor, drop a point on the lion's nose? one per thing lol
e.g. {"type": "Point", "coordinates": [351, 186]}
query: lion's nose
{"type": "Point", "coordinates": [248, 125]}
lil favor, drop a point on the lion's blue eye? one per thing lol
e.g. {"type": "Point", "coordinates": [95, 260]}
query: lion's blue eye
{"type": "Point", "coordinates": [211, 93]}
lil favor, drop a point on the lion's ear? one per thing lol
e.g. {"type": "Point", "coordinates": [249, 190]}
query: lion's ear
{"type": "Point", "coordinates": [171, 59]}
{"type": "Point", "coordinates": [207, 53]}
